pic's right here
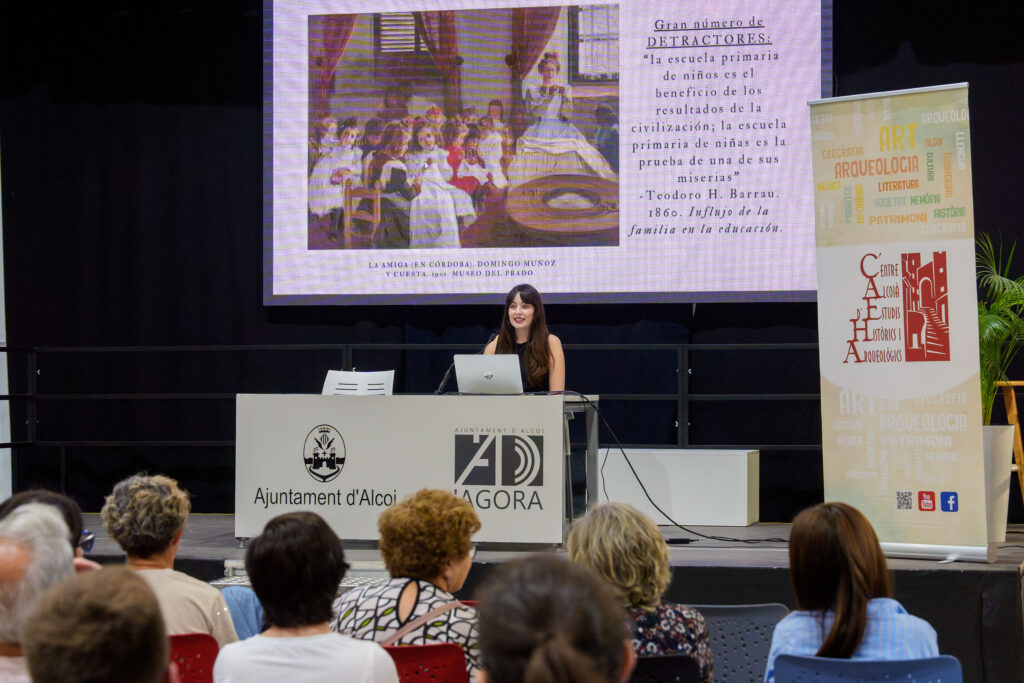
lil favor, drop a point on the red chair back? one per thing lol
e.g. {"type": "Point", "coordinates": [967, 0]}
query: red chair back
{"type": "Point", "coordinates": [195, 654]}
{"type": "Point", "coordinates": [439, 663]}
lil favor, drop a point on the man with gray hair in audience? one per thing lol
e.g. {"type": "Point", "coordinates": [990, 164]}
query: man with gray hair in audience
{"type": "Point", "coordinates": [34, 555]}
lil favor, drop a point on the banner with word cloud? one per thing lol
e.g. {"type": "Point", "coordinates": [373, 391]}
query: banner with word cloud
{"type": "Point", "coordinates": [897, 317]}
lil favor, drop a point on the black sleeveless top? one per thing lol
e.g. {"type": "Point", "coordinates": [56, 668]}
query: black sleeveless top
{"type": "Point", "coordinates": [521, 351]}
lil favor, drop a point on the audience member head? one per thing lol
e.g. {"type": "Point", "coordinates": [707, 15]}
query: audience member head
{"type": "Point", "coordinates": [34, 555]}
{"type": "Point", "coordinates": [295, 566]}
{"type": "Point", "coordinates": [427, 536]}
{"type": "Point", "coordinates": [146, 514]}
{"type": "Point", "coordinates": [624, 547]}
{"type": "Point", "coordinates": [836, 563]}
{"type": "Point", "coordinates": [542, 619]}
{"type": "Point", "coordinates": [67, 507]}
{"type": "Point", "coordinates": [98, 626]}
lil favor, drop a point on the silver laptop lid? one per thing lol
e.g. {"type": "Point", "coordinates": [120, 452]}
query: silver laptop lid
{"type": "Point", "coordinates": [488, 374]}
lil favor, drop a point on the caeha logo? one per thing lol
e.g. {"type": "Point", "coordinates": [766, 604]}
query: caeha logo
{"type": "Point", "coordinates": [324, 453]}
{"type": "Point", "coordinates": [883, 330]}
{"type": "Point", "coordinates": [493, 460]}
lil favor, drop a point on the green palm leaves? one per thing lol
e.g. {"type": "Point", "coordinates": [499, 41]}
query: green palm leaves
{"type": "Point", "coordinates": [1000, 326]}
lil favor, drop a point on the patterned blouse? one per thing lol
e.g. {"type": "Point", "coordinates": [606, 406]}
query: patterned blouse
{"type": "Point", "coordinates": [371, 613]}
{"type": "Point", "coordinates": [674, 629]}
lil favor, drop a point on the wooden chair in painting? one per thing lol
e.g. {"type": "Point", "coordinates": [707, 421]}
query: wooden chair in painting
{"type": "Point", "coordinates": [354, 196]}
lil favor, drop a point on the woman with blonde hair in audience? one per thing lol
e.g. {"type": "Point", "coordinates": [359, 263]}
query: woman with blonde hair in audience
{"type": "Point", "coordinates": [543, 619]}
{"type": "Point", "coordinates": [625, 547]}
{"type": "Point", "coordinates": [146, 515]}
{"type": "Point", "coordinates": [841, 583]}
{"type": "Point", "coordinates": [426, 543]}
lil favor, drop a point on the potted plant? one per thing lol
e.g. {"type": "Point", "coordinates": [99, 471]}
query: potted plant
{"type": "Point", "coordinates": [1000, 322]}
{"type": "Point", "coordinates": [1000, 337]}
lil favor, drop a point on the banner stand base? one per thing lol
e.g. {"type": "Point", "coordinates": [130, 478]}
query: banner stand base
{"type": "Point", "coordinates": [942, 553]}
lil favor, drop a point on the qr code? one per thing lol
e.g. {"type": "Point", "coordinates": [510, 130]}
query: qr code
{"type": "Point", "coordinates": [904, 500]}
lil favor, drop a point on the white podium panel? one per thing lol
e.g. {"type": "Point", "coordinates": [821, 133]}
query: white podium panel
{"type": "Point", "coordinates": [348, 458]}
{"type": "Point", "coordinates": [700, 487]}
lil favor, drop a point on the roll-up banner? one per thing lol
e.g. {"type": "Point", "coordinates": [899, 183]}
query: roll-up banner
{"type": "Point", "coordinates": [897, 317]}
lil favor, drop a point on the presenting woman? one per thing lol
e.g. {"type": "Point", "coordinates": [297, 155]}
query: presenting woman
{"type": "Point", "coordinates": [524, 331]}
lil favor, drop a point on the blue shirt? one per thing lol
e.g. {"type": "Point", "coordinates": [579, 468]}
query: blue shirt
{"type": "Point", "coordinates": [890, 633]}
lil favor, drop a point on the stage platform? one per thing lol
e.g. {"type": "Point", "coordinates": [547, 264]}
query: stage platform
{"type": "Point", "coordinates": [975, 608]}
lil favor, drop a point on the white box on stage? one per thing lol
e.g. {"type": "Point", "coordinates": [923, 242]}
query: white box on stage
{"type": "Point", "coordinates": [699, 487]}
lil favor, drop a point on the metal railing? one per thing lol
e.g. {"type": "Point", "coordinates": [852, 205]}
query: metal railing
{"type": "Point", "coordinates": [348, 356]}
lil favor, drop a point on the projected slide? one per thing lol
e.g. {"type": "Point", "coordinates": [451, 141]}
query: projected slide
{"type": "Point", "coordinates": [641, 151]}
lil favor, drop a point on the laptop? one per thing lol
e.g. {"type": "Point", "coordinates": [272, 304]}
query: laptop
{"type": "Point", "coordinates": [488, 374]}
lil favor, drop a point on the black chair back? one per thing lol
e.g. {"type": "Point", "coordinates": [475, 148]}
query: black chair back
{"type": "Point", "coordinates": [666, 669]}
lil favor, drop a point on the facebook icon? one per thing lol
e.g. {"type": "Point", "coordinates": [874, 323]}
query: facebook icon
{"type": "Point", "coordinates": [948, 501]}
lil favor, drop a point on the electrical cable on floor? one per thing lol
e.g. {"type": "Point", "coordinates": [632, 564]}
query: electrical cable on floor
{"type": "Point", "coordinates": [746, 541]}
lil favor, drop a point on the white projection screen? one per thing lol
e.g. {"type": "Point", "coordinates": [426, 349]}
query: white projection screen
{"type": "Point", "coordinates": [631, 151]}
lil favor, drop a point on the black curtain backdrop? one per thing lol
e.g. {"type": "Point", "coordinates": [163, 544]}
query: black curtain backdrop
{"type": "Point", "coordinates": [130, 162]}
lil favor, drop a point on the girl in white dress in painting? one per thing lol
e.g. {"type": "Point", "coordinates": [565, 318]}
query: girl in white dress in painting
{"type": "Point", "coordinates": [340, 162]}
{"type": "Point", "coordinates": [433, 214]}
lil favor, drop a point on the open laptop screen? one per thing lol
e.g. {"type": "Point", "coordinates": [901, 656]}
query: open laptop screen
{"type": "Point", "coordinates": [488, 374]}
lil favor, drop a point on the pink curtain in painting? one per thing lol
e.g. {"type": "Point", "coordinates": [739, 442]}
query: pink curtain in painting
{"type": "Point", "coordinates": [438, 29]}
{"type": "Point", "coordinates": [328, 37]}
{"type": "Point", "coordinates": [531, 30]}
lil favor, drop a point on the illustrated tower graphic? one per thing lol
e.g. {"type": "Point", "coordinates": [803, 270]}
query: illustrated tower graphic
{"type": "Point", "coordinates": [925, 308]}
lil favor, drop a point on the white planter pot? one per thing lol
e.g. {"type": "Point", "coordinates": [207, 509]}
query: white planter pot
{"type": "Point", "coordinates": [998, 446]}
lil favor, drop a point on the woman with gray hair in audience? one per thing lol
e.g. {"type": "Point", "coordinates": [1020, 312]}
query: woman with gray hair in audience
{"type": "Point", "coordinates": [146, 515]}
{"type": "Point", "coordinates": [34, 555]}
{"type": "Point", "coordinates": [80, 538]}
{"type": "Point", "coordinates": [625, 547]}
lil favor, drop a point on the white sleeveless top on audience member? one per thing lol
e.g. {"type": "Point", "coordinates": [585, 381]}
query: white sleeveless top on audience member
{"type": "Point", "coordinates": [322, 657]}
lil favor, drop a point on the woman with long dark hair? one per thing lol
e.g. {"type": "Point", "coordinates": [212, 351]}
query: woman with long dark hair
{"type": "Point", "coordinates": [524, 331]}
{"type": "Point", "coordinates": [841, 584]}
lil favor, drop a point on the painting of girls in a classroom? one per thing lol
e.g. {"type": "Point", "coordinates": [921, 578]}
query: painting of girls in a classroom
{"type": "Point", "coordinates": [464, 129]}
